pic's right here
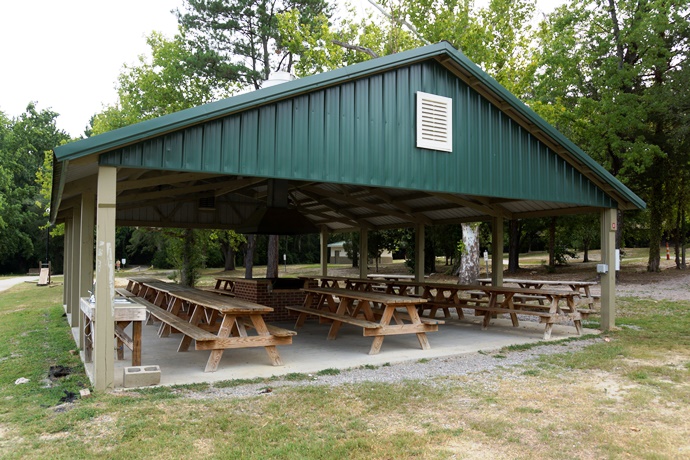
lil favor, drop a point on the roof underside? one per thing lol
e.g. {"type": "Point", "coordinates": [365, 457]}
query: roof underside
{"type": "Point", "coordinates": [345, 150]}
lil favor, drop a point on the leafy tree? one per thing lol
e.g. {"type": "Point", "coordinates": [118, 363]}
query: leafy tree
{"type": "Point", "coordinates": [166, 82]}
{"type": "Point", "coordinates": [240, 38]}
{"type": "Point", "coordinates": [23, 143]}
{"type": "Point", "coordinates": [321, 46]}
{"type": "Point", "coordinates": [383, 240]}
{"type": "Point", "coordinates": [611, 72]}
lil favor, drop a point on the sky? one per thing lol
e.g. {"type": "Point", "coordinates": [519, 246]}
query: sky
{"type": "Point", "coordinates": [66, 55]}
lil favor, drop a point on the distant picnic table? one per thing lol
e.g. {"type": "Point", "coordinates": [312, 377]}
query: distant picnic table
{"type": "Point", "coordinates": [372, 311]}
{"type": "Point", "coordinates": [581, 287]}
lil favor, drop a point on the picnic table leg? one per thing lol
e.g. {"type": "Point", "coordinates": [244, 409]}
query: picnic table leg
{"type": "Point", "coordinates": [120, 345]}
{"type": "Point", "coordinates": [174, 308]}
{"type": "Point", "coordinates": [223, 333]}
{"type": "Point", "coordinates": [493, 299]}
{"type": "Point", "coordinates": [261, 329]}
{"type": "Point", "coordinates": [136, 343]}
{"type": "Point", "coordinates": [385, 320]}
{"type": "Point", "coordinates": [343, 309]}
{"type": "Point", "coordinates": [508, 303]}
{"type": "Point", "coordinates": [194, 320]}
{"type": "Point", "coordinates": [302, 317]}
{"type": "Point", "coordinates": [553, 309]}
{"type": "Point", "coordinates": [576, 315]}
{"type": "Point", "coordinates": [421, 336]}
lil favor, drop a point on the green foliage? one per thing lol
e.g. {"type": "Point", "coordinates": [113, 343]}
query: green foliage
{"type": "Point", "coordinates": [24, 175]}
{"type": "Point", "coordinates": [321, 46]}
{"type": "Point", "coordinates": [164, 83]}
{"type": "Point", "coordinates": [613, 77]}
{"type": "Point", "coordinates": [240, 39]}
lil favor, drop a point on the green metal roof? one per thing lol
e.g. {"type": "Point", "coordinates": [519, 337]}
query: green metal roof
{"type": "Point", "coordinates": [355, 125]}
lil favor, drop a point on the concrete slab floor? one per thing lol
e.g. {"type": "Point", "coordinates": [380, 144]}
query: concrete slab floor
{"type": "Point", "coordinates": [311, 352]}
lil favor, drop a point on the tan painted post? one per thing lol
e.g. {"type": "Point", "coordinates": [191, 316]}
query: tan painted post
{"type": "Point", "coordinates": [419, 253]}
{"type": "Point", "coordinates": [497, 251]}
{"type": "Point", "coordinates": [609, 222]}
{"type": "Point", "coordinates": [67, 265]}
{"type": "Point", "coordinates": [86, 261]}
{"type": "Point", "coordinates": [104, 342]}
{"type": "Point", "coordinates": [324, 250]}
{"type": "Point", "coordinates": [73, 315]}
{"type": "Point", "coordinates": [363, 252]}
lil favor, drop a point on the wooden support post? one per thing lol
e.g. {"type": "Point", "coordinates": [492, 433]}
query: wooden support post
{"type": "Point", "coordinates": [104, 343]}
{"type": "Point", "coordinates": [609, 222]}
{"type": "Point", "coordinates": [363, 252]}
{"type": "Point", "coordinates": [324, 250]}
{"type": "Point", "coordinates": [86, 252]}
{"type": "Point", "coordinates": [74, 310]}
{"type": "Point", "coordinates": [67, 266]}
{"type": "Point", "coordinates": [419, 254]}
{"type": "Point", "coordinates": [497, 251]}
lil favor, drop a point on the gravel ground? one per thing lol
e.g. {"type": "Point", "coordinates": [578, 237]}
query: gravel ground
{"type": "Point", "coordinates": [671, 286]}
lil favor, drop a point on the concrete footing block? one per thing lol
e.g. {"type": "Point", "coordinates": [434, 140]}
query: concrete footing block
{"type": "Point", "coordinates": [141, 376]}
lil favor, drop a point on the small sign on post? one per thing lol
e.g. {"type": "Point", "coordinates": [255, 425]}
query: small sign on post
{"type": "Point", "coordinates": [285, 261]}
{"type": "Point", "coordinates": [486, 261]}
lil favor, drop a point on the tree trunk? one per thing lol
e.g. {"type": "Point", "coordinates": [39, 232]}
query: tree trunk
{"type": "Point", "coordinates": [273, 256]}
{"type": "Point", "coordinates": [249, 256]}
{"type": "Point", "coordinates": [683, 232]}
{"type": "Point", "coordinates": [187, 275]}
{"type": "Point", "coordinates": [228, 254]}
{"type": "Point", "coordinates": [229, 259]}
{"type": "Point", "coordinates": [655, 230]}
{"type": "Point", "coordinates": [469, 262]}
{"type": "Point", "coordinates": [552, 243]}
{"type": "Point", "coordinates": [585, 250]}
{"type": "Point", "coordinates": [514, 246]}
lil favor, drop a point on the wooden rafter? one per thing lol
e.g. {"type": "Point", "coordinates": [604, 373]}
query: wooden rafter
{"type": "Point", "coordinates": [492, 210]}
{"type": "Point", "coordinates": [164, 179]}
{"type": "Point", "coordinates": [373, 207]}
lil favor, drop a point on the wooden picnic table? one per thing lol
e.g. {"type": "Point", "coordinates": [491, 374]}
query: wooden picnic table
{"type": "Point", "coordinates": [225, 284]}
{"type": "Point", "coordinates": [136, 283]}
{"type": "Point", "coordinates": [389, 276]}
{"type": "Point", "coordinates": [125, 312]}
{"type": "Point", "coordinates": [561, 305]}
{"type": "Point", "coordinates": [357, 284]}
{"type": "Point", "coordinates": [326, 281]}
{"type": "Point", "coordinates": [214, 322]}
{"type": "Point", "coordinates": [372, 311]}
{"type": "Point", "coordinates": [581, 287]}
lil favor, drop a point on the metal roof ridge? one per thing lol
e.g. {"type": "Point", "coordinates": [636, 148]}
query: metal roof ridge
{"type": "Point", "coordinates": [194, 115]}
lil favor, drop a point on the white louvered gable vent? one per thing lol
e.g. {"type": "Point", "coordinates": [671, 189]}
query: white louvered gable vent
{"type": "Point", "coordinates": [434, 122]}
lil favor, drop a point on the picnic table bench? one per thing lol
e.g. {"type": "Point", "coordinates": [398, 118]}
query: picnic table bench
{"type": "Point", "coordinates": [372, 311]}
{"type": "Point", "coordinates": [213, 322]}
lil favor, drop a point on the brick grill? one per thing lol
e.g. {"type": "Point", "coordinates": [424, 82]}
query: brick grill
{"type": "Point", "coordinates": [261, 291]}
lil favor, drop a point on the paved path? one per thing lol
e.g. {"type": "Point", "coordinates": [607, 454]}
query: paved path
{"type": "Point", "coordinates": [7, 283]}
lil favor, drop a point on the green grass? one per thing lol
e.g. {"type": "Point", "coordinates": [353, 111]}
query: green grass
{"type": "Point", "coordinates": [625, 398]}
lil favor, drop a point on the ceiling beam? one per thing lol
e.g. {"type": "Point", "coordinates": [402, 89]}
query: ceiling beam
{"type": "Point", "coordinates": [165, 179]}
{"type": "Point", "coordinates": [364, 204]}
{"type": "Point", "coordinates": [335, 208]}
{"type": "Point", "coordinates": [173, 192]}
{"type": "Point", "coordinates": [484, 208]}
{"type": "Point", "coordinates": [238, 185]}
